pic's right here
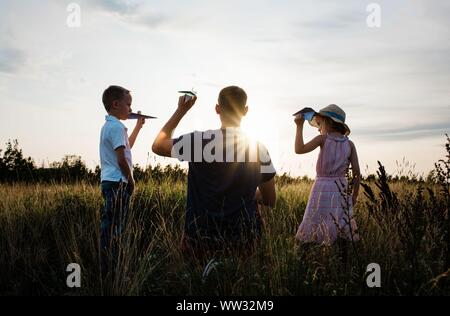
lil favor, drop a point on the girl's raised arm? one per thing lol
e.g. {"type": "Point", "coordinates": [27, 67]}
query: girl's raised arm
{"type": "Point", "coordinates": [300, 146]}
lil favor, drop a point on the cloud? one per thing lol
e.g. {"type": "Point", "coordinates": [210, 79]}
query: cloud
{"type": "Point", "coordinates": [151, 20]}
{"type": "Point", "coordinates": [11, 60]}
{"type": "Point", "coordinates": [271, 40]}
{"type": "Point", "coordinates": [132, 12]}
{"type": "Point", "coordinates": [329, 18]}
{"type": "Point", "coordinates": [117, 6]}
{"type": "Point", "coordinates": [334, 22]}
{"type": "Point", "coordinates": [410, 132]}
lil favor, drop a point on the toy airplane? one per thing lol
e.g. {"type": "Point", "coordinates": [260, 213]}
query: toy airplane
{"type": "Point", "coordinates": [188, 95]}
{"type": "Point", "coordinates": [133, 116]}
{"type": "Point", "coordinates": [307, 113]}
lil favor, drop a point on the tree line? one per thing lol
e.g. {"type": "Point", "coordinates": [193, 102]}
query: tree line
{"type": "Point", "coordinates": [15, 167]}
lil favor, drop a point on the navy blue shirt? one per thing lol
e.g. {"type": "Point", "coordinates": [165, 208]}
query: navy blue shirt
{"type": "Point", "coordinates": [225, 168]}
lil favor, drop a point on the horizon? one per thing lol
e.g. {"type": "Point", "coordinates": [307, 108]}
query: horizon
{"type": "Point", "coordinates": [405, 170]}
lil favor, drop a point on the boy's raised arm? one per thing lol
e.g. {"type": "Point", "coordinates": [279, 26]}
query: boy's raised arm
{"type": "Point", "coordinates": [140, 122]}
{"type": "Point", "coordinates": [163, 142]}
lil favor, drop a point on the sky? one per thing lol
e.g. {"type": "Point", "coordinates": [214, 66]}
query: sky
{"type": "Point", "coordinates": [392, 81]}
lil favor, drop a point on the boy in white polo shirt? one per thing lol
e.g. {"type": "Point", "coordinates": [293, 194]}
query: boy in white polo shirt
{"type": "Point", "coordinates": [117, 180]}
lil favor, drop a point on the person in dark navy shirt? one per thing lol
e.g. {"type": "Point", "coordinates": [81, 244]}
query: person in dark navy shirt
{"type": "Point", "coordinates": [229, 174]}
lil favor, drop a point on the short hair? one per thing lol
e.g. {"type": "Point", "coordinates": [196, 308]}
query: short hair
{"type": "Point", "coordinates": [233, 100]}
{"type": "Point", "coordinates": [335, 126]}
{"type": "Point", "coordinates": [111, 94]}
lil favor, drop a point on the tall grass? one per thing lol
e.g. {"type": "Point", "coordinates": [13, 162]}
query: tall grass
{"type": "Point", "coordinates": [404, 227]}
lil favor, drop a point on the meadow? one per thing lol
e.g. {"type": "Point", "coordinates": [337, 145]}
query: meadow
{"type": "Point", "coordinates": [404, 227]}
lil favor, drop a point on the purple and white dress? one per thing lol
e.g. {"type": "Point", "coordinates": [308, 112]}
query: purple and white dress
{"type": "Point", "coordinates": [327, 212]}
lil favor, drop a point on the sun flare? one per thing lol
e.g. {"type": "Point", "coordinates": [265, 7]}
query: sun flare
{"type": "Point", "coordinates": [255, 126]}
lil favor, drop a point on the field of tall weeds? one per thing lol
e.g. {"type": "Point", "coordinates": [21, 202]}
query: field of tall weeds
{"type": "Point", "coordinates": [404, 228]}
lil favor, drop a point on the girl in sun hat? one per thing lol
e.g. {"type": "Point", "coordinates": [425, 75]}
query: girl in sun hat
{"type": "Point", "coordinates": [328, 214]}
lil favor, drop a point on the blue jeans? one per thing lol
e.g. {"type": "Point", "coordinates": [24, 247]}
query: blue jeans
{"type": "Point", "coordinates": [113, 220]}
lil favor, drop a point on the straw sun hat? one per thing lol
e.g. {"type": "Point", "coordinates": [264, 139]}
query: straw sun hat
{"type": "Point", "coordinates": [333, 112]}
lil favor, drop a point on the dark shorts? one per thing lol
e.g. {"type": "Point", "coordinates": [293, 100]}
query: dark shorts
{"type": "Point", "coordinates": [115, 211]}
{"type": "Point", "coordinates": [226, 241]}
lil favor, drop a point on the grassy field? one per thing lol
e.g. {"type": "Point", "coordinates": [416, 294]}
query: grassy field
{"type": "Point", "coordinates": [404, 228]}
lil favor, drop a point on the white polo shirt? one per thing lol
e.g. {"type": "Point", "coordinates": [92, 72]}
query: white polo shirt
{"type": "Point", "coordinates": [113, 135]}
